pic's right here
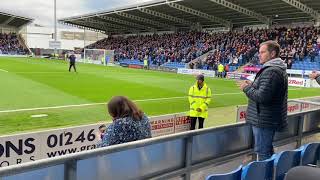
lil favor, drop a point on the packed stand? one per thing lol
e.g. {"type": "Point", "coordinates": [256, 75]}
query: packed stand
{"type": "Point", "coordinates": [233, 48]}
{"type": "Point", "coordinates": [177, 47]}
{"type": "Point", "coordinates": [9, 44]}
{"type": "Point", "coordinates": [297, 44]}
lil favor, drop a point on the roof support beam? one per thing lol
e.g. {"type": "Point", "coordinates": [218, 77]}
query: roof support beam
{"type": "Point", "coordinates": [8, 21]}
{"type": "Point", "coordinates": [165, 16]}
{"type": "Point", "coordinates": [114, 26]}
{"type": "Point", "coordinates": [145, 20]}
{"type": "Point", "coordinates": [243, 10]}
{"type": "Point", "coordinates": [201, 14]}
{"type": "Point", "coordinates": [315, 14]}
{"type": "Point", "coordinates": [127, 23]}
{"type": "Point", "coordinates": [101, 27]}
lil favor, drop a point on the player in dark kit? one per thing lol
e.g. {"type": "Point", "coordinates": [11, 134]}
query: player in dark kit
{"type": "Point", "coordinates": [72, 59]}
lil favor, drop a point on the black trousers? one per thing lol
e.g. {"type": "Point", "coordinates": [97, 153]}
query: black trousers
{"type": "Point", "coordinates": [193, 122]}
{"type": "Point", "coordinates": [74, 67]}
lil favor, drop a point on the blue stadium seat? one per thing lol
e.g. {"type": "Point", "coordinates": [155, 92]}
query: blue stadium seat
{"type": "Point", "coordinates": [234, 175]}
{"type": "Point", "coordinates": [258, 170]}
{"type": "Point", "coordinates": [285, 161]}
{"type": "Point", "coordinates": [174, 65]}
{"type": "Point", "coordinates": [310, 153]}
{"type": "Point", "coordinates": [306, 64]}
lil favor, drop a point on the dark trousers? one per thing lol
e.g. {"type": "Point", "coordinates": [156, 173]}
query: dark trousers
{"type": "Point", "coordinates": [193, 122]}
{"type": "Point", "coordinates": [74, 67]}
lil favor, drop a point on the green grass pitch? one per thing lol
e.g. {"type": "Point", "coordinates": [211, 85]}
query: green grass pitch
{"type": "Point", "coordinates": [35, 83]}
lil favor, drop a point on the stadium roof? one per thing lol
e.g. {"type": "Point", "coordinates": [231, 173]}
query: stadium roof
{"type": "Point", "coordinates": [166, 15]}
{"type": "Point", "coordinates": [15, 21]}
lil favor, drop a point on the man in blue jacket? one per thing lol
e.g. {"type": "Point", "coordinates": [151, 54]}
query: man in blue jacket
{"type": "Point", "coordinates": [72, 60]}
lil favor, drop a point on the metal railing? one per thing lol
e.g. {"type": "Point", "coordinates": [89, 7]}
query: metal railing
{"type": "Point", "coordinates": [177, 156]}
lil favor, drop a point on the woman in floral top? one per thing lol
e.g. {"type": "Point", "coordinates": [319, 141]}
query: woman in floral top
{"type": "Point", "coordinates": [129, 123]}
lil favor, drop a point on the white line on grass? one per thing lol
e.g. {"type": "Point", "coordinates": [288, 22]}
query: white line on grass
{"type": "Point", "coordinates": [294, 89]}
{"type": "Point", "coordinates": [92, 104]}
{"type": "Point", "coordinates": [4, 70]}
{"type": "Point", "coordinates": [40, 72]}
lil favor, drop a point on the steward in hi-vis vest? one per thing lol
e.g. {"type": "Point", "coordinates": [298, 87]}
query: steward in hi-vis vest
{"type": "Point", "coordinates": [199, 99]}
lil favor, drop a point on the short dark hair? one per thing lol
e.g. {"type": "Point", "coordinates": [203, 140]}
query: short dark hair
{"type": "Point", "coordinates": [272, 46]}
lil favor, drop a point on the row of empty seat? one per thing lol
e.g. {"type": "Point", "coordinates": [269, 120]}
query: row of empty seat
{"type": "Point", "coordinates": [305, 65]}
{"type": "Point", "coordinates": [133, 62]}
{"type": "Point", "coordinates": [174, 65]}
{"type": "Point", "coordinates": [276, 167]}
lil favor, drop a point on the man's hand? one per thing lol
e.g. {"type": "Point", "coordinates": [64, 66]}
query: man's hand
{"type": "Point", "coordinates": [199, 110]}
{"type": "Point", "coordinates": [243, 84]}
{"type": "Point", "coordinates": [314, 75]}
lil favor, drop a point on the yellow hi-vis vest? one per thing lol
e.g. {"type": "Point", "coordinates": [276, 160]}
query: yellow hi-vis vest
{"type": "Point", "coordinates": [220, 68]}
{"type": "Point", "coordinates": [102, 60]}
{"type": "Point", "coordinates": [199, 99]}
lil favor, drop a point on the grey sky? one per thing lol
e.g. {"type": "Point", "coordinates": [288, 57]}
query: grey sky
{"type": "Point", "coordinates": [42, 10]}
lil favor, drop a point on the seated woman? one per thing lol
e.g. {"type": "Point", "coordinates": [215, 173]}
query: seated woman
{"type": "Point", "coordinates": [129, 123]}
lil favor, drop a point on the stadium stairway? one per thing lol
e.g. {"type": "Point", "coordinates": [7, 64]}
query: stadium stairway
{"type": "Point", "coordinates": [202, 57]}
{"type": "Point", "coordinates": [23, 43]}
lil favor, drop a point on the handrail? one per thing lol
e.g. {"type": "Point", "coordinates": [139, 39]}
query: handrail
{"type": "Point", "coordinates": [70, 160]}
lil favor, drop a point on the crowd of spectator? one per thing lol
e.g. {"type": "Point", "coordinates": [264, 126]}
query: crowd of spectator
{"type": "Point", "coordinates": [235, 48]}
{"type": "Point", "coordinates": [176, 47]}
{"type": "Point", "coordinates": [10, 44]}
{"type": "Point", "coordinates": [238, 48]}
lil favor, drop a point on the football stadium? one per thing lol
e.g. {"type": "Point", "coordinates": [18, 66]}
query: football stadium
{"type": "Point", "coordinates": [165, 89]}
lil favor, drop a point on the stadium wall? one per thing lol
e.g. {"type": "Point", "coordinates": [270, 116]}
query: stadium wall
{"type": "Point", "coordinates": [295, 106]}
{"type": "Point", "coordinates": [26, 147]}
{"type": "Point", "coordinates": [187, 155]}
{"type": "Point", "coordinates": [39, 37]}
{"type": "Point", "coordinates": [7, 29]}
{"type": "Point", "coordinates": [297, 78]}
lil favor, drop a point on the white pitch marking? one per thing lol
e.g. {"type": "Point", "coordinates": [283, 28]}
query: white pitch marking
{"type": "Point", "coordinates": [4, 70]}
{"type": "Point", "coordinates": [92, 104]}
{"type": "Point", "coordinates": [39, 115]}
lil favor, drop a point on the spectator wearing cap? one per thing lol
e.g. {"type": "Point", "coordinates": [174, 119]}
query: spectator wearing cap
{"type": "Point", "coordinates": [199, 99]}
